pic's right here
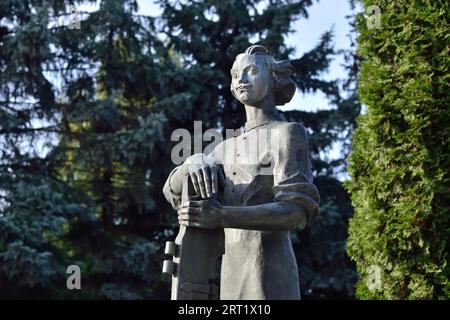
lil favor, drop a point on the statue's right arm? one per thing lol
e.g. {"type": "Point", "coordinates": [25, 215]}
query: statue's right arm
{"type": "Point", "coordinates": [173, 186]}
{"type": "Point", "coordinates": [204, 174]}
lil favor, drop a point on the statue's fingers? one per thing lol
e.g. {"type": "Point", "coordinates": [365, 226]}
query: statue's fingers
{"type": "Point", "coordinates": [214, 182]}
{"type": "Point", "coordinates": [195, 182]}
{"type": "Point", "coordinates": [183, 217]}
{"type": "Point", "coordinates": [207, 181]}
{"type": "Point", "coordinates": [183, 223]}
{"type": "Point", "coordinates": [201, 183]}
{"type": "Point", "coordinates": [193, 224]}
{"type": "Point", "coordinates": [189, 223]}
{"type": "Point", "coordinates": [190, 210]}
{"type": "Point", "coordinates": [220, 176]}
{"type": "Point", "coordinates": [194, 211]}
{"type": "Point", "coordinates": [195, 203]}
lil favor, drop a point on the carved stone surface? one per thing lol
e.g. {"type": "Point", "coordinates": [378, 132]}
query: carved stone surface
{"type": "Point", "coordinates": [267, 187]}
{"type": "Point", "coordinates": [194, 252]}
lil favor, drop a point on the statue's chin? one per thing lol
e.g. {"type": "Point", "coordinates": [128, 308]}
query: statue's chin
{"type": "Point", "coordinates": [246, 100]}
{"type": "Point", "coordinates": [250, 103]}
{"type": "Point", "coordinates": [250, 100]}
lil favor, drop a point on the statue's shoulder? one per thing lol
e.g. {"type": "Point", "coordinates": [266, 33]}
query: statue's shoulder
{"type": "Point", "coordinates": [292, 130]}
{"type": "Point", "coordinates": [217, 153]}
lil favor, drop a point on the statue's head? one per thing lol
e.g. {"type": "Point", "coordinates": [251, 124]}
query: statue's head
{"type": "Point", "coordinates": [256, 75]}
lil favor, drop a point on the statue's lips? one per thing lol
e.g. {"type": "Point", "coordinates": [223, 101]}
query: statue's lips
{"type": "Point", "coordinates": [243, 88]}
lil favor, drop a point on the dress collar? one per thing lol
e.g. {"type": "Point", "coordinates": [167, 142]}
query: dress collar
{"type": "Point", "coordinates": [268, 118]}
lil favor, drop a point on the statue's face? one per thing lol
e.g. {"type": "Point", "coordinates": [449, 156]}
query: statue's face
{"type": "Point", "coordinates": [251, 79]}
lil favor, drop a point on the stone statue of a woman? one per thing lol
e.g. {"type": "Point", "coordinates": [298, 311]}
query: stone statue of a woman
{"type": "Point", "coordinates": [266, 193]}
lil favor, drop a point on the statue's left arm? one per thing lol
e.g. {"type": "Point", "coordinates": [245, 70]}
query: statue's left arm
{"type": "Point", "coordinates": [295, 201]}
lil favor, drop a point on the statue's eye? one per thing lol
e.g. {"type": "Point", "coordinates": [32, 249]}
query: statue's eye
{"type": "Point", "coordinates": [253, 71]}
{"type": "Point", "coordinates": [234, 74]}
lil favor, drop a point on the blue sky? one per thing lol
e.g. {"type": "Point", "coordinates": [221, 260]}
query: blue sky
{"type": "Point", "coordinates": [324, 15]}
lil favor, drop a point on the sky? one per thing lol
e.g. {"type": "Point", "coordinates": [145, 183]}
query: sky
{"type": "Point", "coordinates": [323, 16]}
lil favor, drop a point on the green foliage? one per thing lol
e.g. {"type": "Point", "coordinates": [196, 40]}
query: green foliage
{"type": "Point", "coordinates": [85, 123]}
{"type": "Point", "coordinates": [32, 229]}
{"type": "Point", "coordinates": [209, 46]}
{"type": "Point", "coordinates": [88, 97]}
{"type": "Point", "coordinates": [401, 159]}
{"type": "Point", "coordinates": [323, 247]}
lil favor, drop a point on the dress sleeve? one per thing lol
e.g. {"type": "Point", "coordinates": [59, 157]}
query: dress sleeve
{"type": "Point", "coordinates": [293, 181]}
{"type": "Point", "coordinates": [173, 198]}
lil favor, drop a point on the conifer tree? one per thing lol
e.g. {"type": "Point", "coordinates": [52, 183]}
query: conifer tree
{"type": "Point", "coordinates": [400, 163]}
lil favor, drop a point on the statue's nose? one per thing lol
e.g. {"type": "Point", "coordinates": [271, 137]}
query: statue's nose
{"type": "Point", "coordinates": [243, 78]}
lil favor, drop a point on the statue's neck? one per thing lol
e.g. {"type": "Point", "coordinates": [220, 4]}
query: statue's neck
{"type": "Point", "coordinates": [258, 116]}
{"type": "Point", "coordinates": [265, 110]}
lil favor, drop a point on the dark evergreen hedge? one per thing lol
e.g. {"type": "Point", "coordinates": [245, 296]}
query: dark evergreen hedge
{"type": "Point", "coordinates": [399, 235]}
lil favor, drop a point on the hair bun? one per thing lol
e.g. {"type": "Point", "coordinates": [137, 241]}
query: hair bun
{"type": "Point", "coordinates": [256, 49]}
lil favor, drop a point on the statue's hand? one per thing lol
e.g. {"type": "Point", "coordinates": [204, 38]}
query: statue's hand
{"type": "Point", "coordinates": [204, 174]}
{"type": "Point", "coordinates": [202, 214]}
